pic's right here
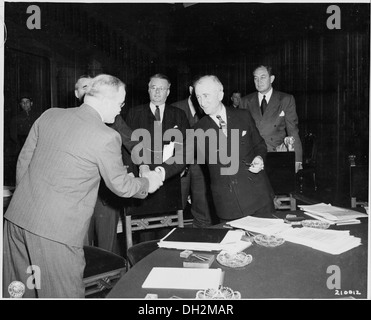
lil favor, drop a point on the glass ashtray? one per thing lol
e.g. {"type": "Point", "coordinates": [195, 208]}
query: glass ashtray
{"type": "Point", "coordinates": [269, 241]}
{"type": "Point", "coordinates": [223, 293]}
{"type": "Point", "coordinates": [234, 260]}
{"type": "Point", "coordinates": [315, 224]}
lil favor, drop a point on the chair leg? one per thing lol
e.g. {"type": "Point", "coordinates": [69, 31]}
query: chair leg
{"type": "Point", "coordinates": [292, 203]}
{"type": "Point", "coordinates": [129, 239]}
{"type": "Point", "coordinates": [180, 218]}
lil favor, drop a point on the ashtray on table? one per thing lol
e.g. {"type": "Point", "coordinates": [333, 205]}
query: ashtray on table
{"type": "Point", "coordinates": [315, 224]}
{"type": "Point", "coordinates": [234, 260]}
{"type": "Point", "coordinates": [268, 240]}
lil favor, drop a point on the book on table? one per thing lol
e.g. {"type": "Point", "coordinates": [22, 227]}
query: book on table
{"type": "Point", "coordinates": [198, 239]}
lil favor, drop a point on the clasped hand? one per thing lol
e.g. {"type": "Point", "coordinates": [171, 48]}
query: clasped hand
{"type": "Point", "coordinates": [257, 165]}
{"type": "Point", "coordinates": [154, 178]}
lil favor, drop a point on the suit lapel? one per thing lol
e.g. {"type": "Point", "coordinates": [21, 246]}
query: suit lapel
{"type": "Point", "coordinates": [256, 112]}
{"type": "Point", "coordinates": [273, 103]}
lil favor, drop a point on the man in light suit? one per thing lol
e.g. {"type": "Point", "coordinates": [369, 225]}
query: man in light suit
{"type": "Point", "coordinates": [154, 116]}
{"type": "Point", "coordinates": [196, 181]}
{"type": "Point", "coordinates": [58, 174]}
{"type": "Point", "coordinates": [103, 224]}
{"type": "Point", "coordinates": [247, 191]}
{"type": "Point", "coordinates": [275, 117]}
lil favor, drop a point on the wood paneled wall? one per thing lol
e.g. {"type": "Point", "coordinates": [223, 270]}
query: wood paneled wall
{"type": "Point", "coordinates": [329, 78]}
{"type": "Point", "coordinates": [327, 72]}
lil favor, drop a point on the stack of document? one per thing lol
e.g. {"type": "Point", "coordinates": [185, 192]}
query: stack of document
{"type": "Point", "coordinates": [199, 239]}
{"type": "Point", "coordinates": [184, 278]}
{"type": "Point", "coordinates": [330, 241]}
{"type": "Point", "coordinates": [260, 225]}
{"type": "Point", "coordinates": [332, 215]}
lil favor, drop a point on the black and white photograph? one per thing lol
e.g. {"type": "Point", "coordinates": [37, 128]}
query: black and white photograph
{"type": "Point", "coordinates": [185, 151]}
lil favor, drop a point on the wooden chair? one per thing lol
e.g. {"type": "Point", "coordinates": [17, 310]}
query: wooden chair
{"type": "Point", "coordinates": [134, 223]}
{"type": "Point", "coordinates": [358, 183]}
{"type": "Point", "coordinates": [309, 163]}
{"type": "Point", "coordinates": [103, 269]}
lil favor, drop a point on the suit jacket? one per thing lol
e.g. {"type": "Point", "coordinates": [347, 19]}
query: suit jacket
{"type": "Point", "coordinates": [184, 105]}
{"type": "Point", "coordinates": [58, 174]}
{"type": "Point", "coordinates": [279, 120]}
{"type": "Point", "coordinates": [243, 193]}
{"type": "Point", "coordinates": [168, 197]}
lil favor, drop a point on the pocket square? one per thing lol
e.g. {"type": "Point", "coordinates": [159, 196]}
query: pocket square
{"type": "Point", "coordinates": [243, 132]}
{"type": "Point", "coordinates": [282, 114]}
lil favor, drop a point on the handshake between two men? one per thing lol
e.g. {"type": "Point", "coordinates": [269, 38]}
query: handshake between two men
{"type": "Point", "coordinates": [155, 177]}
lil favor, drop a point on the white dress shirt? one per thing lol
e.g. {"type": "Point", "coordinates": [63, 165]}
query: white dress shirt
{"type": "Point", "coordinates": [161, 107]}
{"type": "Point", "coordinates": [267, 96]}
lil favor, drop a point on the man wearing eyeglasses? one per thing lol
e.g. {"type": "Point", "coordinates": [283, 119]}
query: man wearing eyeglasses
{"type": "Point", "coordinates": [155, 116]}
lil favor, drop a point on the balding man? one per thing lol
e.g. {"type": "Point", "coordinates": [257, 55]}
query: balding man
{"type": "Point", "coordinates": [58, 174]}
{"type": "Point", "coordinates": [246, 189]}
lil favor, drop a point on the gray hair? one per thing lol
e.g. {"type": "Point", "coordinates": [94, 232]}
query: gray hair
{"type": "Point", "coordinates": [99, 83]}
{"type": "Point", "coordinates": [215, 79]}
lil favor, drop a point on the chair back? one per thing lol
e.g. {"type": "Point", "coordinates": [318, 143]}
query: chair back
{"type": "Point", "coordinates": [358, 183]}
{"type": "Point", "coordinates": [309, 150]}
{"type": "Point", "coordinates": [280, 169]}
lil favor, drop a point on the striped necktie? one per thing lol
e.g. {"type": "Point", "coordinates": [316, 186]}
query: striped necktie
{"type": "Point", "coordinates": [222, 124]}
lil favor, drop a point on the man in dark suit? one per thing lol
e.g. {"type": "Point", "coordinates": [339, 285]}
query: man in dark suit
{"type": "Point", "coordinates": [235, 99]}
{"type": "Point", "coordinates": [196, 181]}
{"type": "Point", "coordinates": [243, 188]}
{"type": "Point", "coordinates": [274, 113]}
{"type": "Point", "coordinates": [58, 174]}
{"type": "Point", "coordinates": [155, 118]}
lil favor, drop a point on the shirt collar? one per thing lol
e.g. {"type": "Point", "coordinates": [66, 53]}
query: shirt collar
{"type": "Point", "coordinates": [267, 95]}
{"type": "Point", "coordinates": [222, 113]}
{"type": "Point", "coordinates": [161, 107]}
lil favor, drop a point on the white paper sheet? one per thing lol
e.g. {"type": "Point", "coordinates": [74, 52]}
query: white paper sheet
{"type": "Point", "coordinates": [260, 225]}
{"type": "Point", "coordinates": [231, 242]}
{"type": "Point", "coordinates": [184, 278]}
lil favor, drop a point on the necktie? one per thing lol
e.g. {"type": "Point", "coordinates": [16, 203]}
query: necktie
{"type": "Point", "coordinates": [157, 114]}
{"type": "Point", "coordinates": [222, 124]}
{"type": "Point", "coordinates": [263, 105]}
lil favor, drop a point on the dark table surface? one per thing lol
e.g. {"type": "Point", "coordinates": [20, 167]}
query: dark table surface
{"type": "Point", "coordinates": [288, 271]}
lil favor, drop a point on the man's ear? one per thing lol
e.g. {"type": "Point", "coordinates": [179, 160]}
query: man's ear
{"type": "Point", "coordinates": [76, 94]}
{"type": "Point", "coordinates": [190, 90]}
{"type": "Point", "coordinates": [272, 78]}
{"type": "Point", "coordinates": [221, 95]}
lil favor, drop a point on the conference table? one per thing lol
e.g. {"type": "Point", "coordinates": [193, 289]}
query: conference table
{"type": "Point", "coordinates": [288, 271]}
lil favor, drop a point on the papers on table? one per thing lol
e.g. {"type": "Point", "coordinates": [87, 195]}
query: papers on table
{"type": "Point", "coordinates": [205, 240]}
{"type": "Point", "coordinates": [184, 278]}
{"type": "Point", "coordinates": [330, 241]}
{"type": "Point", "coordinates": [332, 215]}
{"type": "Point", "coordinates": [260, 225]}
